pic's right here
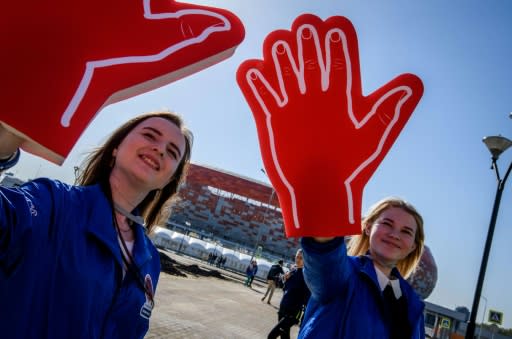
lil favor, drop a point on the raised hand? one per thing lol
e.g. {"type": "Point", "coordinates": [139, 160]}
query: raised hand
{"type": "Point", "coordinates": [320, 138]}
{"type": "Point", "coordinates": [67, 59]}
{"type": "Point", "coordinates": [9, 143]}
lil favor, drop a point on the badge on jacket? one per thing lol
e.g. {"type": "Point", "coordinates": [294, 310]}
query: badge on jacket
{"type": "Point", "coordinates": [147, 308]}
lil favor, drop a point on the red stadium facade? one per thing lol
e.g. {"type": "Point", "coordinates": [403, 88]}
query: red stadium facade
{"type": "Point", "coordinates": [244, 212]}
{"type": "Point", "coordinates": [233, 209]}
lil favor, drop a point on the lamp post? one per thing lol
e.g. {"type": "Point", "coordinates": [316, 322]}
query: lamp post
{"type": "Point", "coordinates": [483, 317]}
{"type": "Point", "coordinates": [496, 145]}
{"type": "Point", "coordinates": [184, 235]}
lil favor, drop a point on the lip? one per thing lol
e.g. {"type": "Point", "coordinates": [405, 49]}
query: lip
{"type": "Point", "coordinates": [150, 161]}
{"type": "Point", "coordinates": [392, 244]}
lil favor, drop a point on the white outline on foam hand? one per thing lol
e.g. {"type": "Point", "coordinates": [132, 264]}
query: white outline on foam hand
{"type": "Point", "coordinates": [91, 66]}
{"type": "Point", "coordinates": [325, 68]}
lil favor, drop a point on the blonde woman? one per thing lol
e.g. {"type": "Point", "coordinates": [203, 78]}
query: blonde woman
{"type": "Point", "coordinates": [361, 293]}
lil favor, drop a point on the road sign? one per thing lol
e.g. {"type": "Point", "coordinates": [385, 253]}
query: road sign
{"type": "Point", "coordinates": [259, 250]}
{"type": "Point", "coordinates": [495, 317]}
{"type": "Point", "coordinates": [445, 323]}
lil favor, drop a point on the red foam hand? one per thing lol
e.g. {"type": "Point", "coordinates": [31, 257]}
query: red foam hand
{"type": "Point", "coordinates": [64, 60]}
{"type": "Point", "coordinates": [320, 138]}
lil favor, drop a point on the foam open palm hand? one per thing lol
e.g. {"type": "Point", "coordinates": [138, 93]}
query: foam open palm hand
{"type": "Point", "coordinates": [320, 138]}
{"type": "Point", "coordinates": [67, 59]}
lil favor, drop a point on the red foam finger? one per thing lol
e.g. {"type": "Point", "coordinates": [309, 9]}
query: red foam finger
{"type": "Point", "coordinates": [62, 68]}
{"type": "Point", "coordinates": [327, 138]}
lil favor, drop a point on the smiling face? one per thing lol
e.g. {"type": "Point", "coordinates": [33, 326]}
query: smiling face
{"type": "Point", "coordinates": [392, 237]}
{"type": "Point", "coordinates": [150, 154]}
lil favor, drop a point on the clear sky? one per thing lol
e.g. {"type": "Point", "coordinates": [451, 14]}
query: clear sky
{"type": "Point", "coordinates": [462, 50]}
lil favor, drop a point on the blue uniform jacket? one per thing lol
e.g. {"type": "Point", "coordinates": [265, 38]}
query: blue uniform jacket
{"type": "Point", "coordinates": [295, 294]}
{"type": "Point", "coordinates": [346, 300]}
{"type": "Point", "coordinates": [61, 266]}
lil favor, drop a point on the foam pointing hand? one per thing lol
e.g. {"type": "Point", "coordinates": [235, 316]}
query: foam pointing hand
{"type": "Point", "coordinates": [68, 59]}
{"type": "Point", "coordinates": [320, 138]}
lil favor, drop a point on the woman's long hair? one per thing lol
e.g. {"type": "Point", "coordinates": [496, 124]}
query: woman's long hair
{"type": "Point", "coordinates": [360, 244]}
{"type": "Point", "coordinates": [155, 207]}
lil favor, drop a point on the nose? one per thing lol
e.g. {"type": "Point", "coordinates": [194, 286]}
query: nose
{"type": "Point", "coordinates": [158, 151]}
{"type": "Point", "coordinates": [394, 234]}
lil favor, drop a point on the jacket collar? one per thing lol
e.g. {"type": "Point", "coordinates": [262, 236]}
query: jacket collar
{"type": "Point", "coordinates": [101, 227]}
{"type": "Point", "coordinates": [416, 306]}
{"type": "Point", "coordinates": [141, 254]}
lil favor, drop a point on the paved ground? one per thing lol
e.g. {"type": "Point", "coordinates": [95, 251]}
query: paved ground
{"type": "Point", "coordinates": [197, 300]}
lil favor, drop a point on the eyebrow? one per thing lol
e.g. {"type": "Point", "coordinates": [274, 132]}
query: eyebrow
{"type": "Point", "coordinates": [156, 131]}
{"type": "Point", "coordinates": [392, 221]}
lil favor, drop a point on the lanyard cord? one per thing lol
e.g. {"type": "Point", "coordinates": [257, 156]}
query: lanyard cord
{"type": "Point", "coordinates": [136, 219]}
{"type": "Point", "coordinates": [130, 263]}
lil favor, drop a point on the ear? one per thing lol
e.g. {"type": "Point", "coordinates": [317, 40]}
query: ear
{"type": "Point", "coordinates": [114, 152]}
{"type": "Point", "coordinates": [367, 229]}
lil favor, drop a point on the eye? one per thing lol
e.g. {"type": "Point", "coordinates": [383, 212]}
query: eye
{"type": "Point", "coordinates": [386, 223]}
{"type": "Point", "coordinates": [172, 153]}
{"type": "Point", "coordinates": [149, 135]}
{"type": "Point", "coordinates": [407, 232]}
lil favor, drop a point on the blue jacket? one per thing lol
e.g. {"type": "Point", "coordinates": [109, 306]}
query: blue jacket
{"type": "Point", "coordinates": [61, 266]}
{"type": "Point", "coordinates": [295, 294]}
{"type": "Point", "coordinates": [346, 299]}
{"type": "Point", "coordinates": [251, 270]}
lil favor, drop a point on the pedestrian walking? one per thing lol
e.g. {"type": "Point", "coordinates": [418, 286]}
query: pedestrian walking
{"type": "Point", "coordinates": [295, 298]}
{"type": "Point", "coordinates": [274, 274]}
{"type": "Point", "coordinates": [250, 272]}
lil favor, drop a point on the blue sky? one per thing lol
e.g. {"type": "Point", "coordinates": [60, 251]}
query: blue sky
{"type": "Point", "coordinates": [462, 50]}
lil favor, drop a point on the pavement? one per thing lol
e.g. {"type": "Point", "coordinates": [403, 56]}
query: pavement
{"type": "Point", "coordinates": [197, 300]}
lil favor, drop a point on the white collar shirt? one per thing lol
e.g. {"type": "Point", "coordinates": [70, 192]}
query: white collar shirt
{"type": "Point", "coordinates": [384, 281]}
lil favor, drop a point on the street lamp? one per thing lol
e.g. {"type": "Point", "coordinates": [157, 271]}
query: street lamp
{"type": "Point", "coordinates": [496, 145]}
{"type": "Point", "coordinates": [185, 233]}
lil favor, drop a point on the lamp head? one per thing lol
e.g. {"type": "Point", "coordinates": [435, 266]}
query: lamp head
{"type": "Point", "coordinates": [497, 145]}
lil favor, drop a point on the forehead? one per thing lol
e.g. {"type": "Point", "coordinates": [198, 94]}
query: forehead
{"type": "Point", "coordinates": [157, 122]}
{"type": "Point", "coordinates": [166, 128]}
{"type": "Point", "coordinates": [399, 216]}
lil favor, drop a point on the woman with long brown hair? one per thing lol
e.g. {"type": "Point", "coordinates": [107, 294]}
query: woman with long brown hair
{"type": "Point", "coordinates": [75, 261]}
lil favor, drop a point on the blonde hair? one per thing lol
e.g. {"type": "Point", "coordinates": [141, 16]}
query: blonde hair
{"type": "Point", "coordinates": [360, 244]}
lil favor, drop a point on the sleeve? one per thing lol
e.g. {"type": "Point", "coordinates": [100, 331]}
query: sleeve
{"type": "Point", "coordinates": [326, 267]}
{"type": "Point", "coordinates": [23, 213]}
{"type": "Point", "coordinates": [306, 293]}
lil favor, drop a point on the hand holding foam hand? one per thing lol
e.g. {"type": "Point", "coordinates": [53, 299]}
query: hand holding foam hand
{"type": "Point", "coordinates": [68, 59]}
{"type": "Point", "coordinates": [320, 138]}
{"type": "Point", "coordinates": [9, 148]}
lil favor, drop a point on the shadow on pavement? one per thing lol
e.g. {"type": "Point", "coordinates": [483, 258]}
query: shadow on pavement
{"type": "Point", "coordinates": [173, 267]}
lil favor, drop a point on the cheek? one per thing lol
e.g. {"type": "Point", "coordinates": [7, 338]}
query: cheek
{"type": "Point", "coordinates": [375, 232]}
{"type": "Point", "coordinates": [170, 166]}
{"type": "Point", "coordinates": [411, 245]}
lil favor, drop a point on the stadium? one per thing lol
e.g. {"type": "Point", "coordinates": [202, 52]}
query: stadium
{"type": "Point", "coordinates": [241, 213]}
